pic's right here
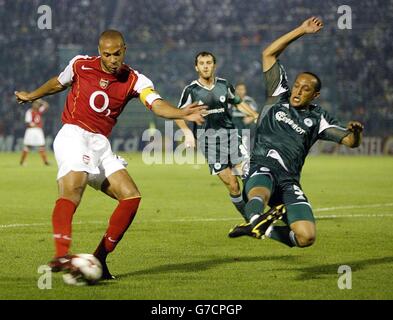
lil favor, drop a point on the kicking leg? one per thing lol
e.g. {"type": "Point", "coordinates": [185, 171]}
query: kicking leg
{"type": "Point", "coordinates": [258, 190]}
{"type": "Point", "coordinates": [120, 186]}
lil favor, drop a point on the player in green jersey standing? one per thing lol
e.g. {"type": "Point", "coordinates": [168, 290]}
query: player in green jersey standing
{"type": "Point", "coordinates": [217, 138]}
{"type": "Point", "coordinates": [241, 120]}
{"type": "Point", "coordinates": [288, 126]}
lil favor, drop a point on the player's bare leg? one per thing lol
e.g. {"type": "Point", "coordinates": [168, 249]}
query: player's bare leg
{"type": "Point", "coordinates": [25, 152]}
{"type": "Point", "coordinates": [71, 188]}
{"type": "Point", "coordinates": [120, 186]}
{"type": "Point", "coordinates": [44, 158]}
{"type": "Point", "coordinates": [232, 183]}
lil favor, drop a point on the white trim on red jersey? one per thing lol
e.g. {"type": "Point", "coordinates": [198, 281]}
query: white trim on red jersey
{"type": "Point", "coordinates": [66, 77]}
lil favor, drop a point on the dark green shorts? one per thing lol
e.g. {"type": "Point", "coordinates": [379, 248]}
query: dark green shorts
{"type": "Point", "coordinates": [284, 189]}
{"type": "Point", "coordinates": [225, 151]}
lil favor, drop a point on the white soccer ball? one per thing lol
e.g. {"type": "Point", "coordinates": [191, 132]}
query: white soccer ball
{"type": "Point", "coordinates": [85, 269]}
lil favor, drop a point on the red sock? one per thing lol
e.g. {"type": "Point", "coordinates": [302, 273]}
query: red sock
{"type": "Point", "coordinates": [119, 222]}
{"type": "Point", "coordinates": [62, 225]}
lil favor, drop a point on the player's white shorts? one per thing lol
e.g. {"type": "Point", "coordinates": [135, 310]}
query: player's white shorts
{"type": "Point", "coordinates": [34, 137]}
{"type": "Point", "coordinates": [79, 150]}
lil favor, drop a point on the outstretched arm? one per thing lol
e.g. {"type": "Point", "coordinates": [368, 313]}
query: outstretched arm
{"type": "Point", "coordinates": [52, 86]}
{"type": "Point", "coordinates": [354, 138]}
{"type": "Point", "coordinates": [192, 112]}
{"type": "Point", "coordinates": [246, 109]}
{"type": "Point", "coordinates": [271, 53]}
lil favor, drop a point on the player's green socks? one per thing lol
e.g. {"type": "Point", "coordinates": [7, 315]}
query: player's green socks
{"type": "Point", "coordinates": [254, 208]}
{"type": "Point", "coordinates": [240, 205]}
{"type": "Point", "coordinates": [283, 234]}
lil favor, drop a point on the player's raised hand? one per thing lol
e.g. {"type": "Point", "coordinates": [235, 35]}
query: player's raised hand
{"type": "Point", "coordinates": [195, 112]}
{"type": "Point", "coordinates": [312, 25]}
{"type": "Point", "coordinates": [22, 97]}
{"type": "Point", "coordinates": [355, 126]}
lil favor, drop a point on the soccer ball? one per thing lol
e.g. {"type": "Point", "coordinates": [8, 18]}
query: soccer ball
{"type": "Point", "coordinates": [84, 269]}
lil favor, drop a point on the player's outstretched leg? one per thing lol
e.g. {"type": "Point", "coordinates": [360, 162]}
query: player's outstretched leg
{"type": "Point", "coordinates": [118, 185]}
{"type": "Point", "coordinates": [119, 222]}
{"type": "Point", "coordinates": [265, 220]}
{"type": "Point", "coordinates": [262, 224]}
{"type": "Point", "coordinates": [258, 190]}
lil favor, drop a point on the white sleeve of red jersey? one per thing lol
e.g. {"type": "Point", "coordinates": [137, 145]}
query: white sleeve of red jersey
{"type": "Point", "coordinates": [28, 116]}
{"type": "Point", "coordinates": [148, 97]}
{"type": "Point", "coordinates": [66, 77]}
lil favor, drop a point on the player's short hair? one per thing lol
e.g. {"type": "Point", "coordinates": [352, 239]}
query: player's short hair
{"type": "Point", "coordinates": [318, 86]}
{"type": "Point", "coordinates": [111, 33]}
{"type": "Point", "coordinates": [204, 54]}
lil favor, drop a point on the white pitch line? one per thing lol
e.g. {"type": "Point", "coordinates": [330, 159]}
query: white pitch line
{"type": "Point", "coordinates": [330, 216]}
{"type": "Point", "coordinates": [16, 225]}
{"type": "Point", "coordinates": [335, 216]}
{"type": "Point", "coordinates": [365, 206]}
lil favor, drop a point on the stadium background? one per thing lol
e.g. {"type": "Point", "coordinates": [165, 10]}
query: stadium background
{"type": "Point", "coordinates": [163, 37]}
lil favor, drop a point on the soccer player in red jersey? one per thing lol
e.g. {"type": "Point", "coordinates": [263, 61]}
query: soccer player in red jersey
{"type": "Point", "coordinates": [34, 135]}
{"type": "Point", "coordinates": [100, 88]}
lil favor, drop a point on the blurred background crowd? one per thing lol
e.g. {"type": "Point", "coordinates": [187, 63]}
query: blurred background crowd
{"type": "Point", "coordinates": [163, 37]}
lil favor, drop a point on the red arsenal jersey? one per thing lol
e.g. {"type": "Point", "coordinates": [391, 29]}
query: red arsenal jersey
{"type": "Point", "coordinates": [97, 98]}
{"type": "Point", "coordinates": [33, 117]}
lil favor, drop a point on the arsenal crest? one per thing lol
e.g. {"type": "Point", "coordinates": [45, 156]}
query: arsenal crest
{"type": "Point", "coordinates": [104, 83]}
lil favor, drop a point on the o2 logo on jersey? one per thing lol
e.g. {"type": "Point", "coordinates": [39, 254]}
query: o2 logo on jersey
{"type": "Point", "coordinates": [92, 102]}
{"type": "Point", "coordinates": [222, 99]}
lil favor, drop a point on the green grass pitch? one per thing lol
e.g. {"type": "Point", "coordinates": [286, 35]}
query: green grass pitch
{"type": "Point", "coordinates": [177, 247]}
